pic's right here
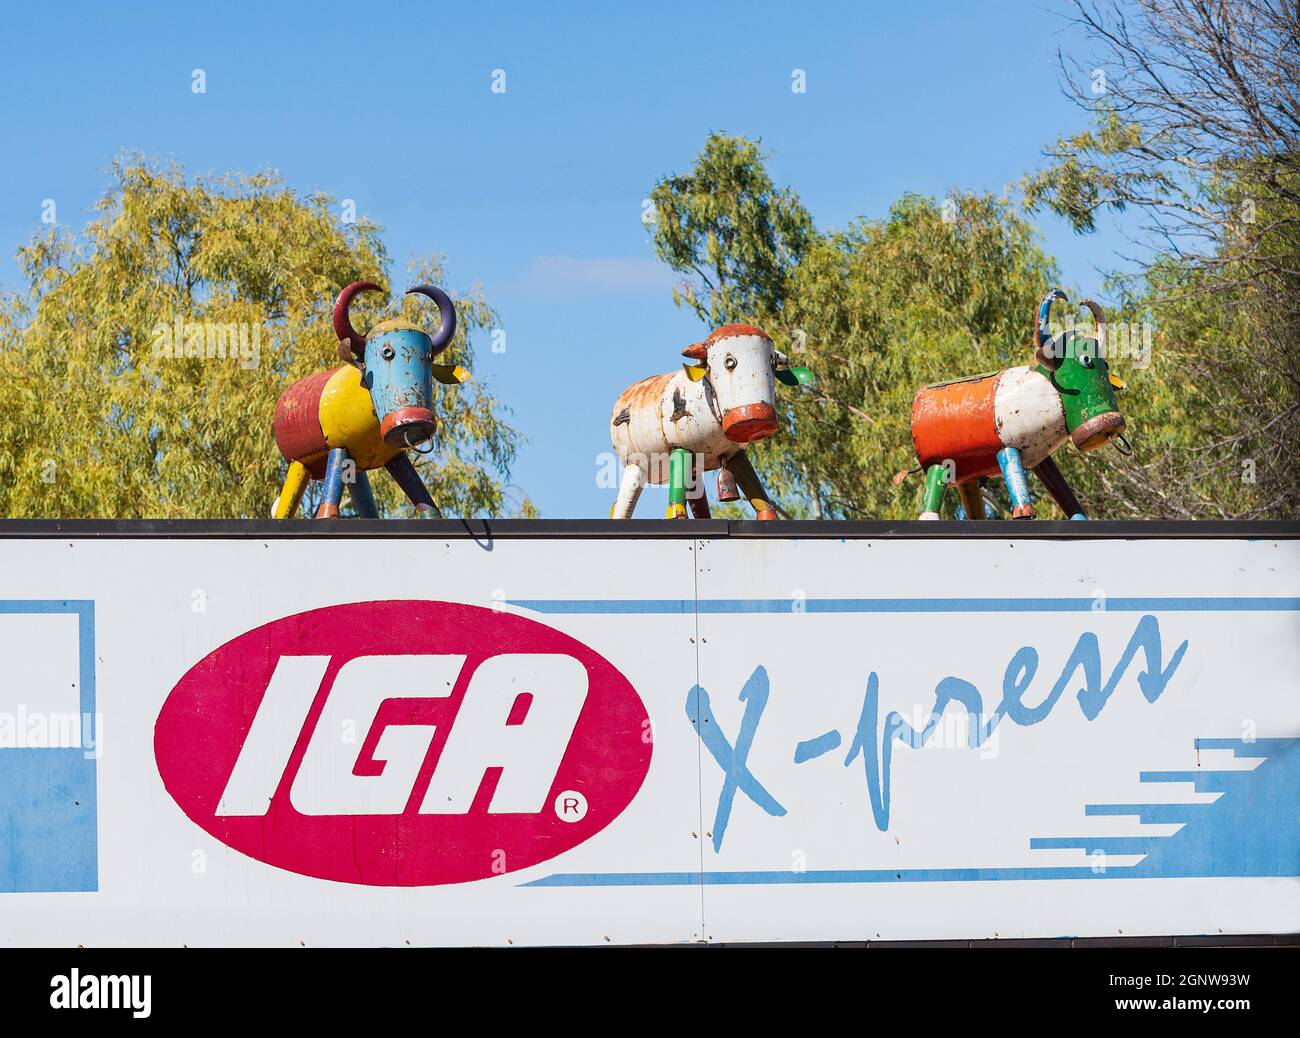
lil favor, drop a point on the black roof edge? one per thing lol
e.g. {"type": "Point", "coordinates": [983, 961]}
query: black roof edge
{"type": "Point", "coordinates": [660, 529]}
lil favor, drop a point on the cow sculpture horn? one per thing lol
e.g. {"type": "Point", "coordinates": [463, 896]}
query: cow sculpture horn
{"type": "Point", "coordinates": [343, 320]}
{"type": "Point", "coordinates": [1099, 319]}
{"type": "Point", "coordinates": [446, 309]}
{"type": "Point", "coordinates": [1042, 331]}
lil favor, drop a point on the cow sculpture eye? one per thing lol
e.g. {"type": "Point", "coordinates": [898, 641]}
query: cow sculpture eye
{"type": "Point", "coordinates": [1086, 360]}
{"type": "Point", "coordinates": [389, 353]}
{"type": "Point", "coordinates": [729, 363]}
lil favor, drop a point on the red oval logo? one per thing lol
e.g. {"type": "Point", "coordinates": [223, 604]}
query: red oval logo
{"type": "Point", "coordinates": [403, 743]}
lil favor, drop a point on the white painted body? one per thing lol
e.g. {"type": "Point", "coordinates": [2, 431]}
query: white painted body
{"type": "Point", "coordinates": [672, 412]}
{"type": "Point", "coordinates": [1027, 412]}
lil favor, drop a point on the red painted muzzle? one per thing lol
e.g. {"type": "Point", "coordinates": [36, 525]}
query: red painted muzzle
{"type": "Point", "coordinates": [407, 426]}
{"type": "Point", "coordinates": [1098, 431]}
{"type": "Point", "coordinates": [749, 423]}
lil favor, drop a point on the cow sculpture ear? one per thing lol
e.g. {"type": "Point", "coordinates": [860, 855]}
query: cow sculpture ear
{"type": "Point", "coordinates": [697, 352]}
{"type": "Point", "coordinates": [346, 355]}
{"type": "Point", "coordinates": [1052, 352]}
{"type": "Point", "coordinates": [449, 374]}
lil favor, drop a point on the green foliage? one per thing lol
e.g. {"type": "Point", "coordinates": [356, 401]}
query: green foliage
{"type": "Point", "coordinates": [1083, 178]}
{"type": "Point", "coordinates": [1207, 154]}
{"type": "Point", "coordinates": [938, 291]}
{"type": "Point", "coordinates": [877, 310]}
{"type": "Point", "coordinates": [726, 223]}
{"type": "Point", "coordinates": [1217, 408]}
{"type": "Point", "coordinates": [98, 424]}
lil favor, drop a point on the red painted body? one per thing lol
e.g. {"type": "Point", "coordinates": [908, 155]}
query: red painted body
{"type": "Point", "coordinates": [297, 426]}
{"type": "Point", "coordinates": [956, 421]}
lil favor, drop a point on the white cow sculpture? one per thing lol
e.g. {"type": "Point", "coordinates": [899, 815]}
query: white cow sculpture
{"type": "Point", "coordinates": [672, 428]}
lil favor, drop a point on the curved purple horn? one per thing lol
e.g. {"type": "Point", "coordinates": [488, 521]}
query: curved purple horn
{"type": "Point", "coordinates": [343, 320]}
{"type": "Point", "coordinates": [446, 309]}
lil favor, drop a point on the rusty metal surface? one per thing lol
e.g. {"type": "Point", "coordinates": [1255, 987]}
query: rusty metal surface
{"type": "Point", "coordinates": [1050, 475]}
{"type": "Point", "coordinates": [956, 421]}
{"type": "Point", "coordinates": [297, 426]}
{"type": "Point", "coordinates": [641, 434]}
{"type": "Point", "coordinates": [729, 330]}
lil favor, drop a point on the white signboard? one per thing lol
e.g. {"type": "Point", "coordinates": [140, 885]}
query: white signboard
{"type": "Point", "coordinates": [556, 741]}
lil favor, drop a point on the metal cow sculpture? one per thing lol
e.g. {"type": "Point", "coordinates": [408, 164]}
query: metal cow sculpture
{"type": "Point", "coordinates": [699, 419]}
{"type": "Point", "coordinates": [368, 413]}
{"type": "Point", "coordinates": [1011, 421]}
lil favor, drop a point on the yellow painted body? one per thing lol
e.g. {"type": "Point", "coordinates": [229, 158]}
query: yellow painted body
{"type": "Point", "coordinates": [348, 419]}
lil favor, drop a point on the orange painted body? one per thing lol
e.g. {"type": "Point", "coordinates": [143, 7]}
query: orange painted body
{"type": "Point", "coordinates": [956, 421]}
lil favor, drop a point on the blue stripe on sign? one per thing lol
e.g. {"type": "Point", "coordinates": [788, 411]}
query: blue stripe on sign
{"type": "Point", "coordinates": [814, 876]}
{"type": "Point", "coordinates": [49, 796]}
{"type": "Point", "coordinates": [907, 605]}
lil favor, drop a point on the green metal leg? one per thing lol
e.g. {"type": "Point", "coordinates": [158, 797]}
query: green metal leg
{"type": "Point", "coordinates": [678, 465]}
{"type": "Point", "coordinates": [936, 478]}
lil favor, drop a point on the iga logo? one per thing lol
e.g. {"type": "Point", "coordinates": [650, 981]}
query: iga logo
{"type": "Point", "coordinates": [403, 743]}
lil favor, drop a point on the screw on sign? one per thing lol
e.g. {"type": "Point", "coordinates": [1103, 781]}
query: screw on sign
{"type": "Point", "coordinates": [476, 733]}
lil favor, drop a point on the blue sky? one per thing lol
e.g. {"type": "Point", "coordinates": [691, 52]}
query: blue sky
{"type": "Point", "coordinates": [536, 193]}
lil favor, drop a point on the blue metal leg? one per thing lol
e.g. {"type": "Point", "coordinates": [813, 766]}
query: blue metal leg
{"type": "Point", "coordinates": [363, 498]}
{"type": "Point", "coordinates": [1013, 471]}
{"type": "Point", "coordinates": [333, 492]}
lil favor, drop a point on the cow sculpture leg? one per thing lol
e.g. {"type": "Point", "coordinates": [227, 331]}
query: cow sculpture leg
{"type": "Point", "coordinates": [333, 491]}
{"type": "Point", "coordinates": [679, 463]}
{"type": "Point", "coordinates": [751, 486]}
{"type": "Point", "coordinates": [1054, 480]}
{"type": "Point", "coordinates": [696, 496]}
{"type": "Point", "coordinates": [629, 491]}
{"type": "Point", "coordinates": [363, 498]}
{"type": "Point", "coordinates": [972, 501]}
{"type": "Point", "coordinates": [936, 479]}
{"type": "Point", "coordinates": [403, 471]}
{"type": "Point", "coordinates": [295, 482]}
{"type": "Point", "coordinates": [1013, 471]}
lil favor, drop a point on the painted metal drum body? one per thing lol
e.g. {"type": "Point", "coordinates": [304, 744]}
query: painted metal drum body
{"type": "Point", "coordinates": [968, 421]}
{"type": "Point", "coordinates": [328, 410]}
{"type": "Point", "coordinates": [665, 412]}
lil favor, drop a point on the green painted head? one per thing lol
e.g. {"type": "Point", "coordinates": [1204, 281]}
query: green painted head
{"type": "Point", "coordinates": [1077, 368]}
